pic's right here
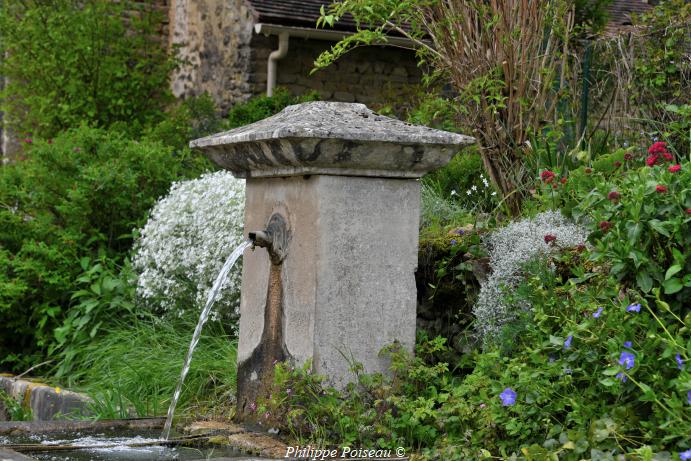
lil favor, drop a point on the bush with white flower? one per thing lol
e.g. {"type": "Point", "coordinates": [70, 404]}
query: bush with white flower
{"type": "Point", "coordinates": [510, 248]}
{"type": "Point", "coordinates": [185, 242]}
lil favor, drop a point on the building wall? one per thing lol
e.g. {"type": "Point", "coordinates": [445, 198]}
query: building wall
{"type": "Point", "coordinates": [212, 38]}
{"type": "Point", "coordinates": [225, 58]}
{"type": "Point", "coordinates": [368, 74]}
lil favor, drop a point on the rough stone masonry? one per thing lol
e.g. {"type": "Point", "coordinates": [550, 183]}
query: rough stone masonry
{"type": "Point", "coordinates": [344, 181]}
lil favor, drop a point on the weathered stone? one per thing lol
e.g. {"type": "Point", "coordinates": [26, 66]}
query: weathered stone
{"type": "Point", "coordinates": [332, 202]}
{"type": "Point", "coordinates": [45, 402]}
{"type": "Point", "coordinates": [332, 138]}
{"type": "Point", "coordinates": [11, 455]}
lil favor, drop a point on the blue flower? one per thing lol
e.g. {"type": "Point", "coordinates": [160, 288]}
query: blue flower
{"type": "Point", "coordinates": [628, 344]}
{"type": "Point", "coordinates": [621, 376]}
{"type": "Point", "coordinates": [598, 312]}
{"type": "Point", "coordinates": [453, 242]}
{"type": "Point", "coordinates": [508, 397]}
{"type": "Point", "coordinates": [627, 359]}
{"type": "Point", "coordinates": [567, 343]}
{"type": "Point", "coordinates": [680, 362]}
{"type": "Point", "coordinates": [634, 308]}
{"type": "Point", "coordinates": [685, 455]}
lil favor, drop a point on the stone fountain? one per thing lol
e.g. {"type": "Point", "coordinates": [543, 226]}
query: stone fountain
{"type": "Point", "coordinates": [333, 207]}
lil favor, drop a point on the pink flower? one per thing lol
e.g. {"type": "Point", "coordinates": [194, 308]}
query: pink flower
{"type": "Point", "coordinates": [547, 176]}
{"type": "Point", "coordinates": [674, 168]}
{"type": "Point", "coordinates": [652, 160]}
{"type": "Point", "coordinates": [658, 148]}
{"type": "Point", "coordinates": [605, 226]}
{"type": "Point", "coordinates": [613, 196]}
{"type": "Point", "coordinates": [27, 140]}
{"type": "Point", "coordinates": [661, 189]}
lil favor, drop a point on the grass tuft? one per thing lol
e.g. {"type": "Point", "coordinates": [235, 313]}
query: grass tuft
{"type": "Point", "coordinates": [133, 368]}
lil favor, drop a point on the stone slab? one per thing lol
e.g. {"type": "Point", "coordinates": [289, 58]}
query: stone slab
{"type": "Point", "coordinates": [348, 279]}
{"type": "Point", "coordinates": [11, 455]}
{"type": "Point", "coordinates": [46, 402]}
{"type": "Point", "coordinates": [333, 138]}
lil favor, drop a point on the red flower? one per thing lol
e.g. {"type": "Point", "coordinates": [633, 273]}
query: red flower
{"type": "Point", "coordinates": [563, 180]}
{"type": "Point", "coordinates": [674, 168]}
{"type": "Point", "coordinates": [658, 148]}
{"type": "Point", "coordinates": [688, 211]}
{"type": "Point", "coordinates": [550, 238]}
{"type": "Point", "coordinates": [547, 176]}
{"type": "Point", "coordinates": [668, 156]}
{"type": "Point", "coordinates": [660, 188]}
{"type": "Point", "coordinates": [588, 170]}
{"type": "Point", "coordinates": [617, 164]}
{"type": "Point", "coordinates": [652, 160]}
{"type": "Point", "coordinates": [613, 196]}
{"type": "Point", "coordinates": [580, 248]}
{"type": "Point", "coordinates": [628, 156]}
{"type": "Point", "coordinates": [605, 226]}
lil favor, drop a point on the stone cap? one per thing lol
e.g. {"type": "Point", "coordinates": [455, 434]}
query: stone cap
{"type": "Point", "coordinates": [331, 138]}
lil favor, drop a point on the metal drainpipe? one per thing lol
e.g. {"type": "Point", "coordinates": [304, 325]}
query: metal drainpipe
{"type": "Point", "coordinates": [275, 55]}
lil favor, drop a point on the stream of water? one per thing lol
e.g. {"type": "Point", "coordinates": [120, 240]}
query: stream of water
{"type": "Point", "coordinates": [234, 256]}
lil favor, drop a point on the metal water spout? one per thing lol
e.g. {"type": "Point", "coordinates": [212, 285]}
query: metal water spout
{"type": "Point", "coordinates": [275, 238]}
{"type": "Point", "coordinates": [255, 374]}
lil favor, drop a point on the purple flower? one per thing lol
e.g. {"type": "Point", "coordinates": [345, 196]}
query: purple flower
{"type": "Point", "coordinates": [680, 362]}
{"type": "Point", "coordinates": [453, 242]}
{"type": "Point", "coordinates": [459, 232]}
{"type": "Point", "coordinates": [289, 391]}
{"type": "Point", "coordinates": [508, 397]}
{"type": "Point", "coordinates": [688, 397]}
{"type": "Point", "coordinates": [567, 343]}
{"type": "Point", "coordinates": [253, 406]}
{"type": "Point", "coordinates": [628, 344]}
{"type": "Point", "coordinates": [627, 359]}
{"type": "Point", "coordinates": [597, 313]}
{"type": "Point", "coordinates": [685, 455]}
{"type": "Point", "coordinates": [621, 376]}
{"type": "Point", "coordinates": [634, 308]}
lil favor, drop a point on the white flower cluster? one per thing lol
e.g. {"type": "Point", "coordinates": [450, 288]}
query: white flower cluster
{"type": "Point", "coordinates": [185, 242]}
{"type": "Point", "coordinates": [510, 248]}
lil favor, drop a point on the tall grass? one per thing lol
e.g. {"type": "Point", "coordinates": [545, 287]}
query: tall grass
{"type": "Point", "coordinates": [132, 369]}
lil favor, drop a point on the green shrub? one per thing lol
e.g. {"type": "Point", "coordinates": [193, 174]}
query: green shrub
{"type": "Point", "coordinates": [260, 107]}
{"type": "Point", "coordinates": [82, 192]}
{"type": "Point", "coordinates": [70, 61]}
{"type": "Point", "coordinates": [190, 119]}
{"type": "Point", "coordinates": [642, 226]}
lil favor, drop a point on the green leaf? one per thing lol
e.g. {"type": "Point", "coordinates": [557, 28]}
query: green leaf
{"type": "Point", "coordinates": [672, 270]}
{"type": "Point", "coordinates": [644, 282]}
{"type": "Point", "coordinates": [658, 227]}
{"type": "Point", "coordinates": [672, 286]}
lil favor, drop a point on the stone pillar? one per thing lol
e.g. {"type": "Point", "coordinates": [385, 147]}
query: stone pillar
{"type": "Point", "coordinates": [333, 201]}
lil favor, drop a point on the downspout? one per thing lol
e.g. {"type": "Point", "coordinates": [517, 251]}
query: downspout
{"type": "Point", "coordinates": [274, 56]}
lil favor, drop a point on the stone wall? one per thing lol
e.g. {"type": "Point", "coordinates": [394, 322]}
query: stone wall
{"type": "Point", "coordinates": [368, 74]}
{"type": "Point", "coordinates": [213, 39]}
{"type": "Point", "coordinates": [225, 58]}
